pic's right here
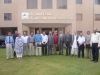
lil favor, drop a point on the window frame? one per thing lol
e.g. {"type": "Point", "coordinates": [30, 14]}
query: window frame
{"type": "Point", "coordinates": [47, 4]}
{"type": "Point", "coordinates": [97, 17]}
{"type": "Point", "coordinates": [8, 16]}
{"type": "Point", "coordinates": [61, 5]}
{"type": "Point", "coordinates": [33, 6]}
{"type": "Point", "coordinates": [7, 2]}
{"type": "Point", "coordinates": [97, 3]}
{"type": "Point", "coordinates": [79, 3]}
{"type": "Point", "coordinates": [78, 15]}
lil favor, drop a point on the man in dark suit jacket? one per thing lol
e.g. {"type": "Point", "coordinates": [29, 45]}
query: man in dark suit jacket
{"type": "Point", "coordinates": [14, 37]}
{"type": "Point", "coordinates": [68, 42]}
{"type": "Point", "coordinates": [60, 42]}
{"type": "Point", "coordinates": [50, 43]}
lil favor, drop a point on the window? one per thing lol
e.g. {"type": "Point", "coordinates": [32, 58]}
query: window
{"type": "Point", "coordinates": [97, 2]}
{"type": "Point", "coordinates": [7, 16]}
{"type": "Point", "coordinates": [97, 17]}
{"type": "Point", "coordinates": [61, 4]}
{"type": "Point", "coordinates": [7, 1]}
{"type": "Point", "coordinates": [46, 4]}
{"type": "Point", "coordinates": [31, 4]}
{"type": "Point", "coordinates": [78, 1]}
{"type": "Point", "coordinates": [79, 17]}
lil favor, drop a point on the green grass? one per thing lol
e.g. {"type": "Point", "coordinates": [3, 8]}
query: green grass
{"type": "Point", "coordinates": [48, 65]}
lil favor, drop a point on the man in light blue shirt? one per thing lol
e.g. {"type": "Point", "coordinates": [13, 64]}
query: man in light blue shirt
{"type": "Point", "coordinates": [9, 41]}
{"type": "Point", "coordinates": [38, 40]}
{"type": "Point", "coordinates": [38, 37]}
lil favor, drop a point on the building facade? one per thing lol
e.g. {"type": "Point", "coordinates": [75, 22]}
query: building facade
{"type": "Point", "coordinates": [45, 15]}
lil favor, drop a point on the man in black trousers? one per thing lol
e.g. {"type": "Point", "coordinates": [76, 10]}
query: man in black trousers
{"type": "Point", "coordinates": [95, 37]}
{"type": "Point", "coordinates": [81, 41]}
{"type": "Point", "coordinates": [14, 37]}
{"type": "Point", "coordinates": [68, 43]}
{"type": "Point", "coordinates": [44, 43]}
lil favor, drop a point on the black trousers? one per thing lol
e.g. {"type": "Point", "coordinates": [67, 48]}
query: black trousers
{"type": "Point", "coordinates": [44, 49]}
{"type": "Point", "coordinates": [14, 54]}
{"type": "Point", "coordinates": [79, 49]}
{"type": "Point", "coordinates": [68, 49]}
{"type": "Point", "coordinates": [61, 47]}
{"type": "Point", "coordinates": [95, 51]}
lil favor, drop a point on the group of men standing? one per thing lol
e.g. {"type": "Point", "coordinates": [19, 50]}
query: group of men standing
{"type": "Point", "coordinates": [45, 44]}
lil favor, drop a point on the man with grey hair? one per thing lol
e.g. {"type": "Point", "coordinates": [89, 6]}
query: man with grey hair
{"type": "Point", "coordinates": [87, 44]}
{"type": "Point", "coordinates": [50, 43]}
{"type": "Point", "coordinates": [74, 44]}
{"type": "Point", "coordinates": [95, 37]}
{"type": "Point", "coordinates": [81, 41]}
{"type": "Point", "coordinates": [61, 42]}
{"type": "Point", "coordinates": [68, 43]}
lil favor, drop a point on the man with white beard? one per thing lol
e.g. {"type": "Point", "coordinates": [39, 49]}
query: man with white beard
{"type": "Point", "coordinates": [74, 44]}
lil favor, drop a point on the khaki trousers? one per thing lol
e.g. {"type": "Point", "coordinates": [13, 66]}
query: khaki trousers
{"type": "Point", "coordinates": [31, 49]}
{"type": "Point", "coordinates": [25, 49]}
{"type": "Point", "coordinates": [89, 53]}
{"type": "Point", "coordinates": [54, 48]}
{"type": "Point", "coordinates": [38, 51]}
{"type": "Point", "coordinates": [9, 51]}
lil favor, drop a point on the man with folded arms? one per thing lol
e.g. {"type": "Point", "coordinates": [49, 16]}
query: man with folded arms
{"type": "Point", "coordinates": [95, 37]}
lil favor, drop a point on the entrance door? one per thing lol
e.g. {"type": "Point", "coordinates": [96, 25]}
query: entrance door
{"type": "Point", "coordinates": [46, 30]}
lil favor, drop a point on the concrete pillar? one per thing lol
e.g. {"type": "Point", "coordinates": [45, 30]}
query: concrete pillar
{"type": "Point", "coordinates": [28, 30]}
{"type": "Point", "coordinates": [40, 29]}
{"type": "Point", "coordinates": [53, 30]}
{"type": "Point", "coordinates": [20, 28]}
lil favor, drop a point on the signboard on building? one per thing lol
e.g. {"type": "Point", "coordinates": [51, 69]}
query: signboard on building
{"type": "Point", "coordinates": [42, 16]}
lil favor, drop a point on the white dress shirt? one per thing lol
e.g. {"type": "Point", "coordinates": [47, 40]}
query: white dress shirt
{"type": "Point", "coordinates": [81, 39]}
{"type": "Point", "coordinates": [44, 38]}
{"type": "Point", "coordinates": [25, 38]}
{"type": "Point", "coordinates": [60, 35]}
{"type": "Point", "coordinates": [95, 37]}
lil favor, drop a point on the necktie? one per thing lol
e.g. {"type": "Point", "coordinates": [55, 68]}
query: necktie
{"type": "Point", "coordinates": [9, 39]}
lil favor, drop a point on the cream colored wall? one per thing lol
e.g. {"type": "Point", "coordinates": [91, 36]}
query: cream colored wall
{"type": "Point", "coordinates": [22, 7]}
{"type": "Point", "coordinates": [9, 8]}
{"type": "Point", "coordinates": [97, 11]}
{"type": "Point", "coordinates": [86, 9]}
{"type": "Point", "coordinates": [19, 6]}
{"type": "Point", "coordinates": [68, 28]}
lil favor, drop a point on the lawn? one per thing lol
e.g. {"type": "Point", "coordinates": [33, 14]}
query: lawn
{"type": "Point", "coordinates": [48, 65]}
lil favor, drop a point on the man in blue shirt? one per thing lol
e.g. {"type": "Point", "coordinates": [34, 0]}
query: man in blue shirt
{"type": "Point", "coordinates": [38, 40]}
{"type": "Point", "coordinates": [9, 41]}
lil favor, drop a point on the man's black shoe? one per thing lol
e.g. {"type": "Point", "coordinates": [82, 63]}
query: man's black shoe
{"type": "Point", "coordinates": [95, 61]}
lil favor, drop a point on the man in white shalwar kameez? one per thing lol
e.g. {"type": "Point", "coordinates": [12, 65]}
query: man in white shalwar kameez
{"type": "Point", "coordinates": [74, 44]}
